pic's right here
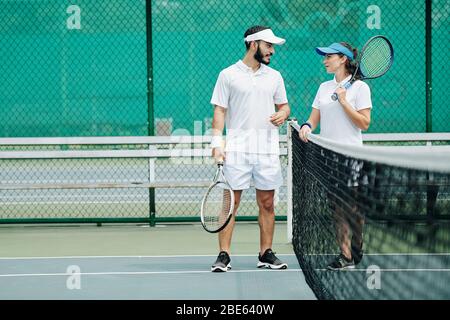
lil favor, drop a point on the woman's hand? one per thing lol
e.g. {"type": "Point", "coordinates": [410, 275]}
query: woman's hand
{"type": "Point", "coordinates": [341, 93]}
{"type": "Point", "coordinates": [303, 134]}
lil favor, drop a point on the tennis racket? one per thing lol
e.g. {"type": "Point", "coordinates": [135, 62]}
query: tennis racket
{"type": "Point", "coordinates": [218, 203]}
{"type": "Point", "coordinates": [375, 59]}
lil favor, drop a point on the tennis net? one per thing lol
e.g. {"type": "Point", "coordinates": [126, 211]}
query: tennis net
{"type": "Point", "coordinates": [395, 200]}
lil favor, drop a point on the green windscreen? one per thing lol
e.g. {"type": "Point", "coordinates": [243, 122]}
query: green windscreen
{"type": "Point", "coordinates": [82, 69]}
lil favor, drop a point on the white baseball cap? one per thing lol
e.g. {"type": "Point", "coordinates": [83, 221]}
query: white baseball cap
{"type": "Point", "coordinates": [265, 35]}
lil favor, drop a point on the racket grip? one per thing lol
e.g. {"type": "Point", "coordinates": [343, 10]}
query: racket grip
{"type": "Point", "coordinates": [347, 85]}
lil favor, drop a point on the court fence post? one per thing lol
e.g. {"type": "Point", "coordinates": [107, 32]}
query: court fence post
{"type": "Point", "coordinates": [428, 70]}
{"type": "Point", "coordinates": [150, 103]}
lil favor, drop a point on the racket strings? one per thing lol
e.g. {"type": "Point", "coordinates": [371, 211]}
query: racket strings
{"type": "Point", "coordinates": [216, 207]}
{"type": "Point", "coordinates": [376, 58]}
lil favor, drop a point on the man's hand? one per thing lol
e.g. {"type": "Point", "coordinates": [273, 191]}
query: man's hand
{"type": "Point", "coordinates": [278, 118]}
{"type": "Point", "coordinates": [218, 154]}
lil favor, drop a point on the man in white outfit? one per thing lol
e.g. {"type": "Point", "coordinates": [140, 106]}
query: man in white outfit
{"type": "Point", "coordinates": [250, 98]}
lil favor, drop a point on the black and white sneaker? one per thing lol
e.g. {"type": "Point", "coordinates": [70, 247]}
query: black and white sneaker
{"type": "Point", "coordinates": [222, 263]}
{"type": "Point", "coordinates": [269, 260]}
{"type": "Point", "coordinates": [341, 263]}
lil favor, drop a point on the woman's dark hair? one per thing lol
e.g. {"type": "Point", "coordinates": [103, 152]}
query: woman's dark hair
{"type": "Point", "coordinates": [351, 64]}
{"type": "Point", "coordinates": [253, 30]}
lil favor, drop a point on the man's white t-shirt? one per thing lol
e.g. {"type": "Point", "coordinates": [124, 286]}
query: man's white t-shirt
{"type": "Point", "coordinates": [250, 99]}
{"type": "Point", "coordinates": [335, 124]}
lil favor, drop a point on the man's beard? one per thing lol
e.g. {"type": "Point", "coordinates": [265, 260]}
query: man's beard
{"type": "Point", "coordinates": [259, 57]}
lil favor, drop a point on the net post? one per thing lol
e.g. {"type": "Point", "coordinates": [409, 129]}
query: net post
{"type": "Point", "coordinates": [151, 191]}
{"type": "Point", "coordinates": [289, 179]}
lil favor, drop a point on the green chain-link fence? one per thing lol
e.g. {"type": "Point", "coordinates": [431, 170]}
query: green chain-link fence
{"type": "Point", "coordinates": [81, 68]}
{"type": "Point", "coordinates": [73, 68]}
{"type": "Point", "coordinates": [43, 185]}
{"type": "Point", "coordinates": [200, 38]}
{"type": "Point", "coordinates": [440, 30]}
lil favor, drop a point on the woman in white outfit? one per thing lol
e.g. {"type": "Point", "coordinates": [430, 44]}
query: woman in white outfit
{"type": "Point", "coordinates": [342, 120]}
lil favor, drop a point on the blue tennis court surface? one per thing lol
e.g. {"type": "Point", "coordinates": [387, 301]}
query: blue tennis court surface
{"type": "Point", "coordinates": [148, 277]}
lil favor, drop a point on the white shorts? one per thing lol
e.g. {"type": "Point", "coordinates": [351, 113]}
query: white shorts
{"type": "Point", "coordinates": [265, 169]}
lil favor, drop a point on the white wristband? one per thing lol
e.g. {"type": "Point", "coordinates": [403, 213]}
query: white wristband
{"type": "Point", "coordinates": [216, 142]}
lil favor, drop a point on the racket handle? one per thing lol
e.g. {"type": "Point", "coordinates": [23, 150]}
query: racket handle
{"type": "Point", "coordinates": [347, 85]}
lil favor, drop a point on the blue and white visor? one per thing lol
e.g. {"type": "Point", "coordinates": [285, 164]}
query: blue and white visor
{"type": "Point", "coordinates": [335, 48]}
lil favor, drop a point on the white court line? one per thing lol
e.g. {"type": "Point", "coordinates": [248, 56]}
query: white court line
{"type": "Point", "coordinates": [387, 270]}
{"type": "Point", "coordinates": [385, 254]}
{"type": "Point", "coordinates": [136, 273]}
{"type": "Point", "coordinates": [215, 255]}
{"type": "Point", "coordinates": [162, 256]}
{"type": "Point", "coordinates": [16, 275]}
